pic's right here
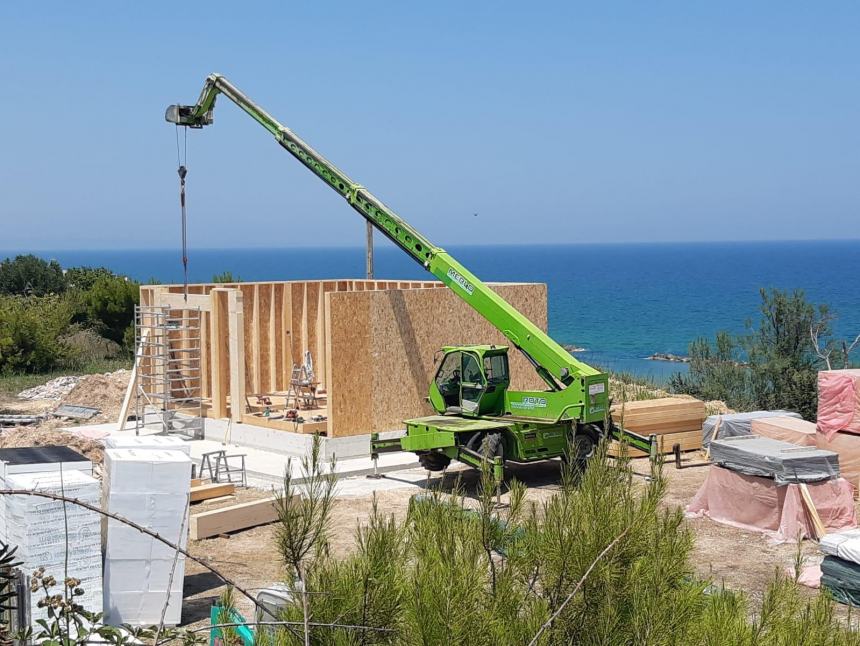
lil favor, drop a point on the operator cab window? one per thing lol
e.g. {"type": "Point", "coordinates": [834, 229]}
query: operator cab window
{"type": "Point", "coordinates": [496, 368]}
{"type": "Point", "coordinates": [448, 379]}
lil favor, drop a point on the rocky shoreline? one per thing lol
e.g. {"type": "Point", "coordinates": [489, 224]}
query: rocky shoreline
{"type": "Point", "coordinates": [668, 356]}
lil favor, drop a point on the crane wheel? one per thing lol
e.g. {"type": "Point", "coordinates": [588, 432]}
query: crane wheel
{"type": "Point", "coordinates": [492, 447]}
{"type": "Point", "coordinates": [583, 446]}
{"type": "Point", "coordinates": [434, 461]}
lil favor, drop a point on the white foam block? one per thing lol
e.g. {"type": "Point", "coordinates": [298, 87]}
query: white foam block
{"type": "Point", "coordinates": [149, 487]}
{"type": "Point", "coordinates": [143, 608]}
{"type": "Point", "coordinates": [845, 545]}
{"type": "Point", "coordinates": [146, 470]}
{"type": "Point", "coordinates": [148, 442]}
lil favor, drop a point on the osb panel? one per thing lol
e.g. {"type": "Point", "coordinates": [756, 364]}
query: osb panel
{"type": "Point", "coordinates": [349, 340]}
{"type": "Point", "coordinates": [376, 390]}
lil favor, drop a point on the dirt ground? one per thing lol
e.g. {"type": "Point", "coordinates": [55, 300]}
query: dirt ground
{"type": "Point", "coordinates": [250, 558]}
{"type": "Point", "coordinates": [102, 391]}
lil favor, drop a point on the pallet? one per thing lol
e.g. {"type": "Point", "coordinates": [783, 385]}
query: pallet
{"type": "Point", "coordinates": [231, 519]}
{"type": "Point", "coordinates": [213, 490]}
{"type": "Point", "coordinates": [689, 441]}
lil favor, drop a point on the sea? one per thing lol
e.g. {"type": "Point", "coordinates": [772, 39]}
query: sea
{"type": "Point", "coordinates": [618, 303]}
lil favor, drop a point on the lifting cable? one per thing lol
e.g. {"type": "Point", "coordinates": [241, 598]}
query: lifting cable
{"type": "Point", "coordinates": [181, 160]}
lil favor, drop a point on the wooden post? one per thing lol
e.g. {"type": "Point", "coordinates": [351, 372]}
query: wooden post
{"type": "Point", "coordinates": [369, 250]}
{"type": "Point", "coordinates": [236, 326]}
{"type": "Point", "coordinates": [217, 359]}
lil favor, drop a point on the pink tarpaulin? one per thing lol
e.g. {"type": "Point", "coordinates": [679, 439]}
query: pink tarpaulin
{"type": "Point", "coordinates": [759, 505]}
{"type": "Point", "coordinates": [838, 401]}
{"type": "Point", "coordinates": [847, 446]}
{"type": "Point", "coordinates": [787, 429]}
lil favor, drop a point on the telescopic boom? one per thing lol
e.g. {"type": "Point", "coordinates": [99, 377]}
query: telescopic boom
{"type": "Point", "coordinates": [553, 363]}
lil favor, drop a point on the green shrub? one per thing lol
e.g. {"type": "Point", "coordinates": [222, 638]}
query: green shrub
{"type": "Point", "coordinates": [773, 366]}
{"type": "Point", "coordinates": [84, 278]}
{"type": "Point", "coordinates": [30, 333]}
{"type": "Point", "coordinates": [602, 561]}
{"type": "Point", "coordinates": [109, 306]}
{"type": "Point", "coordinates": [226, 277]}
{"type": "Point", "coordinates": [31, 276]}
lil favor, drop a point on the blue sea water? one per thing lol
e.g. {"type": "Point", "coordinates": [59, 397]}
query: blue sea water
{"type": "Point", "coordinates": [620, 302]}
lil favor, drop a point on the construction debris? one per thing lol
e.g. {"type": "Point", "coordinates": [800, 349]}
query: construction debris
{"type": "Point", "coordinates": [71, 411]}
{"type": "Point", "coordinates": [20, 420]}
{"type": "Point", "coordinates": [54, 389]}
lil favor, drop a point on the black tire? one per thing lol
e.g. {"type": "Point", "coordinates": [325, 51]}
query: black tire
{"type": "Point", "coordinates": [582, 446]}
{"type": "Point", "coordinates": [492, 446]}
{"type": "Point", "coordinates": [434, 461]}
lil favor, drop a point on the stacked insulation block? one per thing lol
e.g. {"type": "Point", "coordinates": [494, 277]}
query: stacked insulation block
{"type": "Point", "coordinates": [37, 526]}
{"type": "Point", "coordinates": [151, 488]}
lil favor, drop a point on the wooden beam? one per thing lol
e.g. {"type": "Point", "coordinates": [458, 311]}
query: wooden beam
{"type": "Point", "coordinates": [236, 332]}
{"type": "Point", "coordinates": [132, 381]}
{"type": "Point", "coordinates": [217, 356]}
{"type": "Point", "coordinates": [212, 490]}
{"type": "Point", "coordinates": [178, 302]}
{"type": "Point", "coordinates": [233, 518]}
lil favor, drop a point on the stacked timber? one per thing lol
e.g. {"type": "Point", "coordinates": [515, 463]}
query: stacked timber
{"type": "Point", "coordinates": [674, 420]}
{"type": "Point", "coordinates": [787, 429]}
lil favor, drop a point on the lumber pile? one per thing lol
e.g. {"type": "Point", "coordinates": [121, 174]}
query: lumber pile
{"type": "Point", "coordinates": [234, 518]}
{"type": "Point", "coordinates": [212, 490]}
{"type": "Point", "coordinates": [674, 420]}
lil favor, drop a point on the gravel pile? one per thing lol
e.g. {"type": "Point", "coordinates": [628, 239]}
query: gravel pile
{"type": "Point", "coordinates": [54, 389]}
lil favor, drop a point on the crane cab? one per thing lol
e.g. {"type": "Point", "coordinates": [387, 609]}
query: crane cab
{"type": "Point", "coordinates": [471, 380]}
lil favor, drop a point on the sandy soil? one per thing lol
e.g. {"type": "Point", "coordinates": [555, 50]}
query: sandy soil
{"type": "Point", "coordinates": [104, 392]}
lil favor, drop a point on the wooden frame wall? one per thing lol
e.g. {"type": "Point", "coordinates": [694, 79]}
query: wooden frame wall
{"type": "Point", "coordinates": [253, 333]}
{"type": "Point", "coordinates": [372, 342]}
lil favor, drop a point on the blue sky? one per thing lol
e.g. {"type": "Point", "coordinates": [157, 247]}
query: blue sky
{"type": "Point", "coordinates": [555, 122]}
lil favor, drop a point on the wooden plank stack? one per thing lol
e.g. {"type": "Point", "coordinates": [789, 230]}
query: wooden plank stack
{"type": "Point", "coordinates": [675, 420]}
{"type": "Point", "coordinates": [787, 429]}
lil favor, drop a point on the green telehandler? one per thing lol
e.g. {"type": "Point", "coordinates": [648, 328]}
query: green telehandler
{"type": "Point", "coordinates": [478, 417]}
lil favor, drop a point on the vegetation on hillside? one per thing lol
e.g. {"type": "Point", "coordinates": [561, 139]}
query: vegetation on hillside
{"type": "Point", "coordinates": [51, 320]}
{"type": "Point", "coordinates": [774, 365]}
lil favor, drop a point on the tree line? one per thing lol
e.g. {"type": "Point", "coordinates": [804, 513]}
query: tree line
{"type": "Point", "coordinates": [774, 364]}
{"type": "Point", "coordinates": [51, 319]}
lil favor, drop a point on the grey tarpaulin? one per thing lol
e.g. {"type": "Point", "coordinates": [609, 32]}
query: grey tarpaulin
{"type": "Point", "coordinates": [784, 462]}
{"type": "Point", "coordinates": [734, 424]}
{"type": "Point", "coordinates": [842, 579]}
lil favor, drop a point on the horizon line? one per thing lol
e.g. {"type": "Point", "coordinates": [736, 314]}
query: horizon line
{"type": "Point", "coordinates": [388, 244]}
